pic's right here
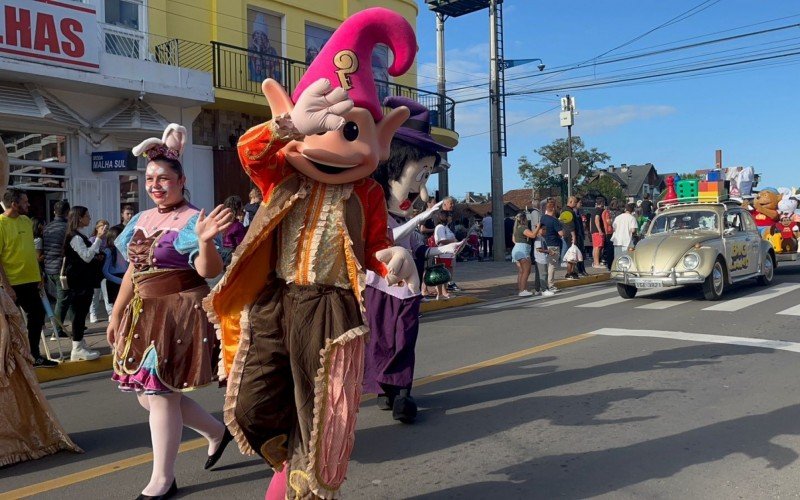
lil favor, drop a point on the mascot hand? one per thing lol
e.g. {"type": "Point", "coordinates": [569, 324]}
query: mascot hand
{"type": "Point", "coordinates": [401, 267]}
{"type": "Point", "coordinates": [320, 108]}
{"type": "Point", "coordinates": [450, 248]}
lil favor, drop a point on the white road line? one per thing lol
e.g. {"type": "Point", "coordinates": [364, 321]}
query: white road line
{"type": "Point", "coordinates": [519, 301]}
{"type": "Point", "coordinates": [754, 298]}
{"type": "Point", "coordinates": [662, 304]}
{"type": "Point", "coordinates": [792, 311]}
{"type": "Point", "coordinates": [780, 345]}
{"type": "Point", "coordinates": [555, 302]}
{"type": "Point", "coordinates": [604, 302]}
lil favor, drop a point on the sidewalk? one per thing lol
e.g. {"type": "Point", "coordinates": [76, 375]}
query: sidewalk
{"type": "Point", "coordinates": [489, 280]}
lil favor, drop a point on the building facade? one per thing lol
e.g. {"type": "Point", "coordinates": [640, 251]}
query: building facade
{"type": "Point", "coordinates": [83, 82]}
{"type": "Point", "coordinates": [80, 85]}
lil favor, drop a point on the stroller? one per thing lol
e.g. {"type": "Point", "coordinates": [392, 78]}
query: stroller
{"type": "Point", "coordinates": [471, 250]}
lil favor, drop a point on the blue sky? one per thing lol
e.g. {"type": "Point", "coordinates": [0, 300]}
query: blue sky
{"type": "Point", "coordinates": [750, 111]}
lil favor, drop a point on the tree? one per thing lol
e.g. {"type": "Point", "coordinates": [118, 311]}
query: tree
{"type": "Point", "coordinates": [546, 173]}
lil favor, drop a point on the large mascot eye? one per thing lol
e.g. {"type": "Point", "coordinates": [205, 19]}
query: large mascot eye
{"type": "Point", "coordinates": [350, 131]}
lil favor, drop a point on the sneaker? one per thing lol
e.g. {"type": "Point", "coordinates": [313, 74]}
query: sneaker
{"type": "Point", "coordinates": [553, 289]}
{"type": "Point", "coordinates": [537, 293]}
{"type": "Point", "coordinates": [93, 319]}
{"type": "Point", "coordinates": [82, 353]}
{"type": "Point", "coordinates": [41, 362]}
{"type": "Point", "coordinates": [452, 287]}
{"type": "Point", "coordinates": [525, 293]}
{"type": "Point", "coordinates": [548, 293]}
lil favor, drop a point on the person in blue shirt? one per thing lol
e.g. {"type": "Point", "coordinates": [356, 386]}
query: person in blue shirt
{"type": "Point", "coordinates": [114, 266]}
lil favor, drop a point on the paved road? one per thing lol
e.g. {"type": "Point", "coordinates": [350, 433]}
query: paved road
{"type": "Point", "coordinates": [576, 396]}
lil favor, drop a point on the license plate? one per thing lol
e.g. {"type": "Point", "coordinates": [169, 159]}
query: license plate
{"type": "Point", "coordinates": [647, 283]}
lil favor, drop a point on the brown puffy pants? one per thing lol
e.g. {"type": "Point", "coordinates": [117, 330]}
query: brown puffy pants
{"type": "Point", "coordinates": [302, 342]}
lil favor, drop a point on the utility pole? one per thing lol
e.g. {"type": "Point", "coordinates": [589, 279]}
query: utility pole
{"type": "Point", "coordinates": [567, 118]}
{"type": "Point", "coordinates": [498, 211]}
{"type": "Point", "coordinates": [444, 181]}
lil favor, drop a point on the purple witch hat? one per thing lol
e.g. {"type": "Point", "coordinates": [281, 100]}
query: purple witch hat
{"type": "Point", "coordinates": [417, 129]}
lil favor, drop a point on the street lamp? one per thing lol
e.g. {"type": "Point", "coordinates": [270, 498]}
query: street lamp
{"type": "Point", "coordinates": [510, 63]}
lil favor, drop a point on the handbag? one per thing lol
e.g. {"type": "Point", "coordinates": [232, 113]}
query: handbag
{"type": "Point", "coordinates": [436, 275]}
{"type": "Point", "coordinates": [62, 277]}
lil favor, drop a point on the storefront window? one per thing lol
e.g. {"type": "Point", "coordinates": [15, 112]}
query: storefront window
{"type": "Point", "coordinates": [129, 192]}
{"type": "Point", "coordinates": [37, 161]}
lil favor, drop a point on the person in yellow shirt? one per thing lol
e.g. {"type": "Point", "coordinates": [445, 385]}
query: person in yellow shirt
{"type": "Point", "coordinates": [21, 268]}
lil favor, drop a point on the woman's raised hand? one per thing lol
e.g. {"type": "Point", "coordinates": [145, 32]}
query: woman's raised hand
{"type": "Point", "coordinates": [209, 226]}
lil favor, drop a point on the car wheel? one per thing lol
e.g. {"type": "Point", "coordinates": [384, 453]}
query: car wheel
{"type": "Point", "coordinates": [767, 271]}
{"type": "Point", "coordinates": [714, 285]}
{"type": "Point", "coordinates": [626, 291]}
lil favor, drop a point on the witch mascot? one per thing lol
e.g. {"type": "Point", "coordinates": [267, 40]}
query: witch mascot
{"type": "Point", "coordinates": [289, 309]}
{"type": "Point", "coordinates": [393, 312]}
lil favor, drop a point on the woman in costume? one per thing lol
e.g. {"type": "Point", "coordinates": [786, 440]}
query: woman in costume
{"type": "Point", "coordinates": [393, 312]}
{"type": "Point", "coordinates": [162, 342]}
{"type": "Point", "coordinates": [28, 427]}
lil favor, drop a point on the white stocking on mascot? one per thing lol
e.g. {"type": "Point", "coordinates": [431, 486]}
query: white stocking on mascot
{"type": "Point", "coordinates": [289, 308]}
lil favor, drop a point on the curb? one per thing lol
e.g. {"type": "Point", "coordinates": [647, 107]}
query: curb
{"type": "Point", "coordinates": [69, 369]}
{"type": "Point", "coordinates": [585, 280]}
{"type": "Point", "coordinates": [438, 305]}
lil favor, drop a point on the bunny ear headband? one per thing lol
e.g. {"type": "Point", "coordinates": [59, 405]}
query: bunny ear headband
{"type": "Point", "coordinates": [169, 146]}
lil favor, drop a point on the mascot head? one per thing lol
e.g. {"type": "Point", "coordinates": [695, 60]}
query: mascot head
{"type": "Point", "coordinates": [413, 156]}
{"type": "Point", "coordinates": [766, 202]}
{"type": "Point", "coordinates": [353, 152]}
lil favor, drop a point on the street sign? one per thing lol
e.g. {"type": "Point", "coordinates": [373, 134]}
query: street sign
{"type": "Point", "coordinates": [113, 161]}
{"type": "Point", "coordinates": [566, 118]}
{"type": "Point", "coordinates": [572, 170]}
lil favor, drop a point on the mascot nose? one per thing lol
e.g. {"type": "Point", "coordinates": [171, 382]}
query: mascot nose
{"type": "Point", "coordinates": [423, 192]}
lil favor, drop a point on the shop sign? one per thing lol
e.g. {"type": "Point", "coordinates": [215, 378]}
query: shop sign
{"type": "Point", "coordinates": [113, 161]}
{"type": "Point", "coordinates": [59, 33]}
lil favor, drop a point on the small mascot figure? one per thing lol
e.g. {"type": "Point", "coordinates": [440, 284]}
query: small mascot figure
{"type": "Point", "coordinates": [393, 312]}
{"type": "Point", "coordinates": [289, 308]}
{"type": "Point", "coordinates": [788, 231]}
{"type": "Point", "coordinates": [765, 210]}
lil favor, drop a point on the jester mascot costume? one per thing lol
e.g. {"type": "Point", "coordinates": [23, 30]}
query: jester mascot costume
{"type": "Point", "coordinates": [289, 308]}
{"type": "Point", "coordinates": [393, 312]}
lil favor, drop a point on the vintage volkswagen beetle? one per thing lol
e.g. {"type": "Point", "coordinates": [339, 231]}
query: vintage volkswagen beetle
{"type": "Point", "coordinates": [711, 244]}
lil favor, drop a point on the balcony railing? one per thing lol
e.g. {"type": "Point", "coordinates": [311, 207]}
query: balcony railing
{"type": "Point", "coordinates": [243, 70]}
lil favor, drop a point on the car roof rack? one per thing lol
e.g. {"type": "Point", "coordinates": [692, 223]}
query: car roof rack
{"type": "Point", "coordinates": [723, 201]}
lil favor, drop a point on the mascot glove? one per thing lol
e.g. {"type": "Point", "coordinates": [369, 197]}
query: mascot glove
{"type": "Point", "coordinates": [400, 266]}
{"type": "Point", "coordinates": [450, 248]}
{"type": "Point", "coordinates": [320, 108]}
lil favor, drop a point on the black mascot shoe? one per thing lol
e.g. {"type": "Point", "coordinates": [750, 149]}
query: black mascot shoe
{"type": "Point", "coordinates": [171, 492]}
{"type": "Point", "coordinates": [404, 408]}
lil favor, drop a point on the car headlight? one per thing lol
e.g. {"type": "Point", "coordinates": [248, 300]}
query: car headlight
{"type": "Point", "coordinates": [691, 261]}
{"type": "Point", "coordinates": [624, 263]}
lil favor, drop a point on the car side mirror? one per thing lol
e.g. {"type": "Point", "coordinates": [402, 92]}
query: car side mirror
{"type": "Point", "coordinates": [729, 231]}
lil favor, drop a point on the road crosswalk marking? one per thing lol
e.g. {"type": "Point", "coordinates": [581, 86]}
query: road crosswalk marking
{"type": "Point", "coordinates": [565, 300]}
{"type": "Point", "coordinates": [604, 302]}
{"type": "Point", "coordinates": [780, 345]}
{"type": "Point", "coordinates": [754, 298]}
{"type": "Point", "coordinates": [792, 311]}
{"type": "Point", "coordinates": [662, 304]}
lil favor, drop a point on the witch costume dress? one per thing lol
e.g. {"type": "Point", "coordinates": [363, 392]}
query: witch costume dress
{"type": "Point", "coordinates": [28, 427]}
{"type": "Point", "coordinates": [164, 342]}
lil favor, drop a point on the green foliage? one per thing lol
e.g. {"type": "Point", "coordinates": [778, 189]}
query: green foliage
{"type": "Point", "coordinates": [546, 173]}
{"type": "Point", "coordinates": [606, 186]}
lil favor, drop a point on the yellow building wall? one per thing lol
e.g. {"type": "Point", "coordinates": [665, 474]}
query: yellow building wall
{"type": "Point", "coordinates": [225, 21]}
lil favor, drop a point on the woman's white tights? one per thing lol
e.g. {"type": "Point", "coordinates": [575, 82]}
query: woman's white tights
{"type": "Point", "coordinates": [168, 414]}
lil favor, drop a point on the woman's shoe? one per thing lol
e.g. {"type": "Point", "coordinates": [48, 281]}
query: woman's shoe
{"type": "Point", "coordinates": [171, 492]}
{"type": "Point", "coordinates": [213, 459]}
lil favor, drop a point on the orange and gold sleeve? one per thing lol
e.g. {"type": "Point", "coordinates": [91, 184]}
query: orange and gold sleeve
{"type": "Point", "coordinates": [261, 156]}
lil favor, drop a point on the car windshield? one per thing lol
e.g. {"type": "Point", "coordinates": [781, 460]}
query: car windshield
{"type": "Point", "coordinates": [685, 221]}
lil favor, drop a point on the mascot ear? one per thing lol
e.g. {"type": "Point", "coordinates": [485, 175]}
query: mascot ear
{"type": "Point", "coordinates": [387, 127]}
{"type": "Point", "coordinates": [279, 101]}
